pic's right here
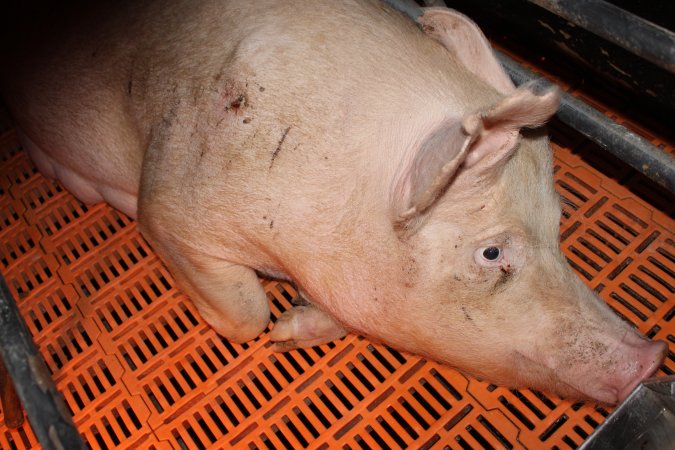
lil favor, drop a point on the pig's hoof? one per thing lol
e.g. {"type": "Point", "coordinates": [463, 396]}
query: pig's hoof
{"type": "Point", "coordinates": [304, 326]}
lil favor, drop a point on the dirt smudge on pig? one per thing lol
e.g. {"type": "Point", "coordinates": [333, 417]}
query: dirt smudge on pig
{"type": "Point", "coordinates": [410, 272]}
{"type": "Point", "coordinates": [506, 274]}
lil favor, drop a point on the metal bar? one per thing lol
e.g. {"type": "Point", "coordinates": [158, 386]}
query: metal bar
{"type": "Point", "coordinates": [633, 33]}
{"type": "Point", "coordinates": [644, 420]}
{"type": "Point", "coordinates": [46, 411]}
{"type": "Point", "coordinates": [407, 7]}
{"type": "Point", "coordinates": [617, 140]}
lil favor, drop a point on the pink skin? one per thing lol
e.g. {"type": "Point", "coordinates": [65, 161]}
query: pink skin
{"type": "Point", "coordinates": [642, 358]}
{"type": "Point", "coordinates": [649, 356]}
{"type": "Point", "coordinates": [281, 137]}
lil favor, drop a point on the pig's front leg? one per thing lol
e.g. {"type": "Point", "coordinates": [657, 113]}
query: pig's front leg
{"type": "Point", "coordinates": [229, 297]}
{"type": "Point", "coordinates": [304, 326]}
{"type": "Point", "coordinates": [174, 204]}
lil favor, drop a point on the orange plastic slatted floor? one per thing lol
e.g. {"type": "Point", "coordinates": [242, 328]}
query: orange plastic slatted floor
{"type": "Point", "coordinates": [139, 369]}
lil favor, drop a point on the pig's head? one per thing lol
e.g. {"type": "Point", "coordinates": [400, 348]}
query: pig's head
{"type": "Point", "coordinates": [492, 293]}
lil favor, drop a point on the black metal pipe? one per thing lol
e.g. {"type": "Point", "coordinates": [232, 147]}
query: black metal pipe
{"type": "Point", "coordinates": [407, 7]}
{"type": "Point", "coordinates": [616, 139]}
{"type": "Point", "coordinates": [633, 33]}
{"type": "Point", "coordinates": [46, 411]}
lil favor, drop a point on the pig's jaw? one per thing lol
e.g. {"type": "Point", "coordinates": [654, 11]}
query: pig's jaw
{"type": "Point", "coordinates": [641, 359]}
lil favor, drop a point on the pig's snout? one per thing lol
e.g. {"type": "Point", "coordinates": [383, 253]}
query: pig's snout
{"type": "Point", "coordinates": [611, 379]}
{"type": "Point", "coordinates": [607, 376]}
{"type": "Point", "coordinates": [647, 356]}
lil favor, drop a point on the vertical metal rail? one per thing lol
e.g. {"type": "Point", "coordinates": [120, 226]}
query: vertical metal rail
{"type": "Point", "coordinates": [46, 411]}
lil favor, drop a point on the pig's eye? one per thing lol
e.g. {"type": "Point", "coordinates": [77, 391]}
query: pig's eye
{"type": "Point", "coordinates": [489, 256]}
{"type": "Point", "coordinates": [492, 253]}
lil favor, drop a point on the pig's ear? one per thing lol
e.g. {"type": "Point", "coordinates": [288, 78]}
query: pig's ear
{"type": "Point", "coordinates": [478, 144]}
{"type": "Point", "coordinates": [464, 40]}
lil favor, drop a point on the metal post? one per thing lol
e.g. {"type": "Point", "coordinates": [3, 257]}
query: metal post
{"type": "Point", "coordinates": [46, 411]}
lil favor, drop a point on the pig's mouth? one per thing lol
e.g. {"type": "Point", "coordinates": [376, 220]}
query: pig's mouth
{"type": "Point", "coordinates": [545, 378]}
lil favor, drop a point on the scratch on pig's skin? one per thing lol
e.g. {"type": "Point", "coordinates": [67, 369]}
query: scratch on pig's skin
{"type": "Point", "coordinates": [240, 102]}
{"type": "Point", "coordinates": [278, 149]}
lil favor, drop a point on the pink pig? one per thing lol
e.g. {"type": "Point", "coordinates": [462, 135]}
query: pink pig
{"type": "Point", "coordinates": [385, 167]}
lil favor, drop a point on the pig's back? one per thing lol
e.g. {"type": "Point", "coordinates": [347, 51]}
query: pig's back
{"type": "Point", "coordinates": [101, 92]}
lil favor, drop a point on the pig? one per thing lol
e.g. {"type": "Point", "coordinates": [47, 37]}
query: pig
{"type": "Point", "coordinates": [388, 168]}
